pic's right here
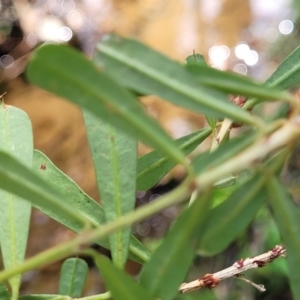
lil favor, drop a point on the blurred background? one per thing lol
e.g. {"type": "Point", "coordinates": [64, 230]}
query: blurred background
{"type": "Point", "coordinates": [250, 37]}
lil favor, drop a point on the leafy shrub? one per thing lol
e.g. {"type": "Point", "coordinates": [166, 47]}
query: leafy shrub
{"type": "Point", "coordinates": [247, 166]}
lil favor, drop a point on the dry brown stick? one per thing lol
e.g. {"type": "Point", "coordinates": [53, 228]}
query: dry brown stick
{"type": "Point", "coordinates": [236, 270]}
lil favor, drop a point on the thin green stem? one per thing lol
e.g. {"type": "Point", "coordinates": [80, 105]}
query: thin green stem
{"type": "Point", "coordinates": [104, 296]}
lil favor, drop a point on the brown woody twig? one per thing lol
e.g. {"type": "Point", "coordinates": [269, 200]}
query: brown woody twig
{"type": "Point", "coordinates": [236, 270]}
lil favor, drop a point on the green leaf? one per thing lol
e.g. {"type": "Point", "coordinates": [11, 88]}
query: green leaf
{"type": "Point", "coordinates": [232, 83]}
{"type": "Point", "coordinates": [223, 153]}
{"type": "Point", "coordinates": [114, 155]}
{"type": "Point", "coordinates": [196, 58]}
{"type": "Point", "coordinates": [4, 294]}
{"type": "Point", "coordinates": [16, 178]}
{"type": "Point", "coordinates": [74, 196]}
{"type": "Point", "coordinates": [153, 166]}
{"type": "Point", "coordinates": [73, 277]}
{"type": "Point", "coordinates": [199, 59]}
{"type": "Point", "coordinates": [78, 200]}
{"type": "Point", "coordinates": [67, 73]}
{"type": "Point", "coordinates": [169, 264]}
{"type": "Point", "coordinates": [146, 71]}
{"type": "Point", "coordinates": [229, 219]}
{"type": "Point", "coordinates": [121, 285]}
{"type": "Point", "coordinates": [212, 122]}
{"type": "Point", "coordinates": [287, 74]}
{"type": "Point", "coordinates": [15, 139]}
{"type": "Point", "coordinates": [287, 218]}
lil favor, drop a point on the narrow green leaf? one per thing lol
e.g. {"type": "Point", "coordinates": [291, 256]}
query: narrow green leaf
{"type": "Point", "coordinates": [73, 276]}
{"type": "Point", "coordinates": [4, 294]}
{"type": "Point", "coordinates": [121, 285]}
{"type": "Point", "coordinates": [287, 218]}
{"type": "Point", "coordinates": [15, 139]}
{"type": "Point", "coordinates": [224, 152]}
{"type": "Point", "coordinates": [153, 166]}
{"type": "Point", "coordinates": [212, 122]}
{"type": "Point", "coordinates": [16, 178]}
{"type": "Point", "coordinates": [114, 155]}
{"type": "Point", "coordinates": [199, 59]}
{"type": "Point", "coordinates": [146, 71]}
{"type": "Point", "coordinates": [231, 218]}
{"type": "Point", "coordinates": [287, 74]}
{"type": "Point", "coordinates": [78, 199]}
{"type": "Point", "coordinates": [66, 72]}
{"type": "Point", "coordinates": [75, 197]}
{"type": "Point", "coordinates": [169, 264]}
{"type": "Point", "coordinates": [232, 83]}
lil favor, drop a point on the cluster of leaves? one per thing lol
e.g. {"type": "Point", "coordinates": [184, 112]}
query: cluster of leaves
{"type": "Point", "coordinates": [106, 90]}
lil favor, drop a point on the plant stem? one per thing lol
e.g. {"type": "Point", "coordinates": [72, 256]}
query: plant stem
{"type": "Point", "coordinates": [103, 296]}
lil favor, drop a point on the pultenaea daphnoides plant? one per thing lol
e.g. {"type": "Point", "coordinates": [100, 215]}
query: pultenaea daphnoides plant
{"type": "Point", "coordinates": [246, 168]}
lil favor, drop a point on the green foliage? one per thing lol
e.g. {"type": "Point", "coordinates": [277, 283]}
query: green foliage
{"type": "Point", "coordinates": [172, 259]}
{"type": "Point", "coordinates": [72, 277]}
{"type": "Point", "coordinates": [15, 139]}
{"type": "Point", "coordinates": [246, 168]}
{"type": "Point", "coordinates": [286, 216]}
{"type": "Point", "coordinates": [153, 166]}
{"type": "Point", "coordinates": [114, 154]}
{"type": "Point", "coordinates": [143, 70]}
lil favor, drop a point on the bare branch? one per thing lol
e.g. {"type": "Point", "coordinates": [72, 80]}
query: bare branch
{"type": "Point", "coordinates": [240, 266]}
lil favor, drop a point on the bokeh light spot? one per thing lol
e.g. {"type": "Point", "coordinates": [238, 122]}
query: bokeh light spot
{"type": "Point", "coordinates": [32, 39]}
{"type": "Point", "coordinates": [75, 20]}
{"type": "Point", "coordinates": [286, 27]}
{"type": "Point", "coordinates": [251, 58]}
{"type": "Point", "coordinates": [241, 50]}
{"type": "Point", "coordinates": [217, 53]}
{"type": "Point", "coordinates": [241, 69]}
{"type": "Point", "coordinates": [7, 61]}
{"type": "Point", "coordinates": [65, 33]}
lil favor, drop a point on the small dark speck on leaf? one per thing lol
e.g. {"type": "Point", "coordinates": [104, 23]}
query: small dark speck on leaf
{"type": "Point", "coordinates": [43, 166]}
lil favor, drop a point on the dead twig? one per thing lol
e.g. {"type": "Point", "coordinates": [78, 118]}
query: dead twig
{"type": "Point", "coordinates": [236, 270]}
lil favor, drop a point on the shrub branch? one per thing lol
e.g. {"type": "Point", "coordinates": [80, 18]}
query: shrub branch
{"type": "Point", "coordinates": [236, 270]}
